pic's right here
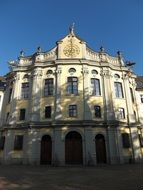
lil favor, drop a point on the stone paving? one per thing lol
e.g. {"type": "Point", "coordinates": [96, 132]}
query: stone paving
{"type": "Point", "coordinates": [117, 177]}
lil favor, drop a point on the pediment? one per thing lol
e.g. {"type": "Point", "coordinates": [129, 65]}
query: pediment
{"type": "Point", "coordinates": [71, 47]}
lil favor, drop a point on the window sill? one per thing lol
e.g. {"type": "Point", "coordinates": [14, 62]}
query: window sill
{"type": "Point", "coordinates": [71, 94]}
{"type": "Point", "coordinates": [48, 96]}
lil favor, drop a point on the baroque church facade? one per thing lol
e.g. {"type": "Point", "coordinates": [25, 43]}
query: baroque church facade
{"type": "Point", "coordinates": [70, 105]}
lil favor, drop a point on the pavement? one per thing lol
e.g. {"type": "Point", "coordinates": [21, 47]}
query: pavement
{"type": "Point", "coordinates": [107, 177]}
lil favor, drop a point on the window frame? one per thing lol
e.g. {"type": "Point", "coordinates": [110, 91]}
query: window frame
{"type": "Point", "coordinates": [126, 140]}
{"type": "Point", "coordinates": [121, 112]}
{"type": "Point", "coordinates": [10, 94]}
{"type": "Point", "coordinates": [48, 87]}
{"type": "Point", "coordinates": [25, 90]}
{"type": "Point", "coordinates": [95, 87]}
{"type": "Point", "coordinates": [47, 115]}
{"type": "Point", "coordinates": [132, 95]}
{"type": "Point", "coordinates": [22, 117]}
{"type": "Point", "coordinates": [72, 85]}
{"type": "Point", "coordinates": [2, 142]}
{"type": "Point", "coordinates": [72, 111]}
{"type": "Point", "coordinates": [118, 90]}
{"type": "Point", "coordinates": [18, 142]}
{"type": "Point", "coordinates": [140, 139]}
{"type": "Point", "coordinates": [97, 111]}
{"type": "Point", "coordinates": [141, 98]}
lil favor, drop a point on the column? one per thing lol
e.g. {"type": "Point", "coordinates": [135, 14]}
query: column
{"type": "Point", "coordinates": [87, 115]}
{"type": "Point", "coordinates": [112, 146]}
{"type": "Point", "coordinates": [109, 114]}
{"type": "Point", "coordinates": [36, 95]}
{"type": "Point", "coordinates": [90, 153]}
{"type": "Point", "coordinates": [57, 110]}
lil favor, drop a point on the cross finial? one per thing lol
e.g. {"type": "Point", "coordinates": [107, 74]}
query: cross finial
{"type": "Point", "coordinates": [72, 29]}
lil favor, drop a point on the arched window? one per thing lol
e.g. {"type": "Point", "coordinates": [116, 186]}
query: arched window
{"type": "Point", "coordinates": [26, 76]}
{"type": "Point", "coordinates": [49, 72]}
{"type": "Point", "coordinates": [94, 72]}
{"type": "Point", "coordinates": [116, 76]}
{"type": "Point", "coordinates": [72, 70]}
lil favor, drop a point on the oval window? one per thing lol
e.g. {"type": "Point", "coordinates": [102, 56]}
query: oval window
{"type": "Point", "coordinates": [49, 72]}
{"type": "Point", "coordinates": [72, 70]}
{"type": "Point", "coordinates": [94, 72]}
{"type": "Point", "coordinates": [116, 76]}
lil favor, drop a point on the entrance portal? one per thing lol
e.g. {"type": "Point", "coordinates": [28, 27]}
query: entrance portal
{"type": "Point", "coordinates": [46, 150]}
{"type": "Point", "coordinates": [73, 148]}
{"type": "Point", "coordinates": [100, 149]}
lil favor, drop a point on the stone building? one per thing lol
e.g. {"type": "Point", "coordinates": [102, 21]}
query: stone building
{"type": "Point", "coordinates": [70, 105]}
{"type": "Point", "coordinates": [139, 96]}
{"type": "Point", "coordinates": [2, 88]}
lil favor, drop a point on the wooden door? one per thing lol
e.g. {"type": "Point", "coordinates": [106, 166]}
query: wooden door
{"type": "Point", "coordinates": [100, 149]}
{"type": "Point", "coordinates": [73, 148]}
{"type": "Point", "coordinates": [46, 150]}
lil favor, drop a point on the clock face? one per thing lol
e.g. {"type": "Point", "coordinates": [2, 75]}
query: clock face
{"type": "Point", "coordinates": [71, 50]}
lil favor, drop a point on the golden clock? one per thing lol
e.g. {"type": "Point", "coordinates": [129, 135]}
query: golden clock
{"type": "Point", "coordinates": [71, 50]}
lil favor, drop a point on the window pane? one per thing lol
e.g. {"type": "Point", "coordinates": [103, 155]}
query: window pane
{"type": "Point", "coordinates": [72, 110]}
{"type": "Point", "coordinates": [118, 90]}
{"type": "Point", "coordinates": [141, 98]}
{"type": "Point", "coordinates": [10, 95]}
{"type": "Point", "coordinates": [48, 112]}
{"type": "Point", "coordinates": [22, 114]}
{"type": "Point", "coordinates": [95, 87]}
{"type": "Point", "coordinates": [2, 142]}
{"type": "Point", "coordinates": [49, 87]}
{"type": "Point", "coordinates": [18, 142]}
{"type": "Point", "coordinates": [132, 96]}
{"type": "Point", "coordinates": [97, 110]}
{"type": "Point", "coordinates": [141, 140]}
{"type": "Point", "coordinates": [72, 86]}
{"type": "Point", "coordinates": [126, 140]}
{"type": "Point", "coordinates": [121, 113]}
{"type": "Point", "coordinates": [25, 90]}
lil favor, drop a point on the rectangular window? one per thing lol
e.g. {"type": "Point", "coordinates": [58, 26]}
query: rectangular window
{"type": "Point", "coordinates": [25, 90]}
{"type": "Point", "coordinates": [48, 112]}
{"type": "Point", "coordinates": [126, 140]}
{"type": "Point", "coordinates": [95, 87]}
{"type": "Point", "coordinates": [18, 142]}
{"type": "Point", "coordinates": [49, 87]}
{"type": "Point", "coordinates": [118, 89]}
{"type": "Point", "coordinates": [97, 110]}
{"type": "Point", "coordinates": [72, 110]}
{"type": "Point", "coordinates": [72, 86]}
{"type": "Point", "coordinates": [141, 98]}
{"type": "Point", "coordinates": [10, 95]}
{"type": "Point", "coordinates": [22, 114]}
{"type": "Point", "coordinates": [121, 113]}
{"type": "Point", "coordinates": [141, 140]}
{"type": "Point", "coordinates": [2, 142]}
{"type": "Point", "coordinates": [7, 116]}
{"type": "Point", "coordinates": [132, 96]}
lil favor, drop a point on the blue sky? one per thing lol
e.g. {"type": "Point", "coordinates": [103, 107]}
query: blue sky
{"type": "Point", "coordinates": [114, 24]}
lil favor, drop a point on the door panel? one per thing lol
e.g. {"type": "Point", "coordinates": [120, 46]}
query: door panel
{"type": "Point", "coordinates": [73, 148]}
{"type": "Point", "coordinates": [46, 150]}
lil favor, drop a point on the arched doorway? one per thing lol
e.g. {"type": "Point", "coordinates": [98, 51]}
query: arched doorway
{"type": "Point", "coordinates": [100, 149]}
{"type": "Point", "coordinates": [46, 150]}
{"type": "Point", "coordinates": [73, 148]}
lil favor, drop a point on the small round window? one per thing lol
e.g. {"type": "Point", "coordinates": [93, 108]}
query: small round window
{"type": "Point", "coordinates": [116, 76]}
{"type": "Point", "coordinates": [72, 70]}
{"type": "Point", "coordinates": [49, 72]}
{"type": "Point", "coordinates": [94, 72]}
{"type": "Point", "coordinates": [26, 76]}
